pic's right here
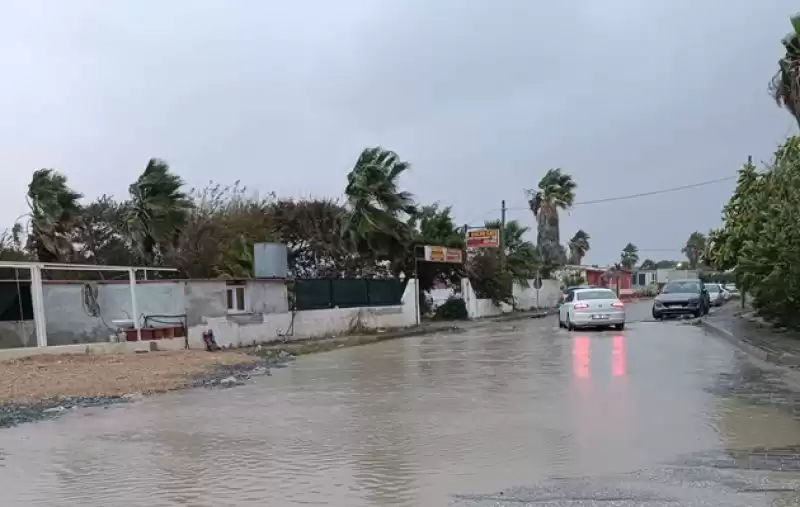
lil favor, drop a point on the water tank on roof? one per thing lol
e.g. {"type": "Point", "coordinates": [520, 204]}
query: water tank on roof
{"type": "Point", "coordinates": [270, 260]}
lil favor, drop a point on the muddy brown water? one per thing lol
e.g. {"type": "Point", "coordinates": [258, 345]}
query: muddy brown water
{"type": "Point", "coordinates": [414, 422]}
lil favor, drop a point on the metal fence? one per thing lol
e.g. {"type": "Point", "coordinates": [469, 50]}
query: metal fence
{"type": "Point", "coordinates": [317, 294]}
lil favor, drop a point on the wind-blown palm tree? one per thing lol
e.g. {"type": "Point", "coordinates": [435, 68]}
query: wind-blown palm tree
{"type": "Point", "coordinates": [556, 191]}
{"type": "Point", "coordinates": [375, 221]}
{"type": "Point", "coordinates": [695, 248]}
{"type": "Point", "coordinates": [522, 260]}
{"type": "Point", "coordinates": [157, 211]}
{"type": "Point", "coordinates": [54, 211]}
{"type": "Point", "coordinates": [629, 256]}
{"type": "Point", "coordinates": [785, 85]}
{"type": "Point", "coordinates": [578, 246]}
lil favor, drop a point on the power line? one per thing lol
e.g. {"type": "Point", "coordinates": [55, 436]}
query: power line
{"type": "Point", "coordinates": [646, 194]}
{"type": "Point", "coordinates": [624, 197]}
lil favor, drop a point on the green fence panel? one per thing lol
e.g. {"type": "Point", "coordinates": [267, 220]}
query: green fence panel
{"type": "Point", "coordinates": [316, 294]}
{"type": "Point", "coordinates": [349, 292]}
{"type": "Point", "coordinates": [312, 294]}
{"type": "Point", "coordinates": [384, 292]}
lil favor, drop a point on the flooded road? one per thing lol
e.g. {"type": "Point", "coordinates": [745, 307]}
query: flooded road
{"type": "Point", "coordinates": [504, 414]}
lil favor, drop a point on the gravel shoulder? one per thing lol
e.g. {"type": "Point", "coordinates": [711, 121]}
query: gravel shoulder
{"type": "Point", "coordinates": [47, 386]}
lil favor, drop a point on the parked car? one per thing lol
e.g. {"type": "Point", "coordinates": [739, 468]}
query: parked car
{"type": "Point", "coordinates": [591, 307]}
{"type": "Point", "coordinates": [681, 297]}
{"type": "Point", "coordinates": [733, 291]}
{"type": "Point", "coordinates": [715, 294]}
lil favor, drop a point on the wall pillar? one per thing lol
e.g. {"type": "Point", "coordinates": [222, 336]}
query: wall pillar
{"type": "Point", "coordinates": [37, 299]}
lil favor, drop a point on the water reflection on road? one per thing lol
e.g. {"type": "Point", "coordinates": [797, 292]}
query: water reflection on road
{"type": "Point", "coordinates": [407, 423]}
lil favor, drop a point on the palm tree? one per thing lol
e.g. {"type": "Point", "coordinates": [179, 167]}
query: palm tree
{"type": "Point", "coordinates": [556, 191]}
{"type": "Point", "coordinates": [157, 211]}
{"type": "Point", "coordinates": [522, 260]}
{"type": "Point", "coordinates": [374, 223]}
{"type": "Point", "coordinates": [54, 211]}
{"type": "Point", "coordinates": [578, 246]}
{"type": "Point", "coordinates": [629, 256]}
{"type": "Point", "coordinates": [695, 248]}
{"type": "Point", "coordinates": [785, 85]}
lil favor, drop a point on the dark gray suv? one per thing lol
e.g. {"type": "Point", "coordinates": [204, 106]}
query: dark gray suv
{"type": "Point", "coordinates": [681, 297]}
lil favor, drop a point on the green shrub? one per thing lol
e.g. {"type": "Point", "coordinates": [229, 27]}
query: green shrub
{"type": "Point", "coordinates": [452, 309]}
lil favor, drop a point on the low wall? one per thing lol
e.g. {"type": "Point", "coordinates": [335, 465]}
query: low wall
{"type": "Point", "coordinates": [549, 295]}
{"type": "Point", "coordinates": [249, 329]}
{"type": "Point", "coordinates": [525, 298]}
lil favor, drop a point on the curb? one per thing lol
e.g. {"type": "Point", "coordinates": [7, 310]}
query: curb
{"type": "Point", "coordinates": [744, 346]}
{"type": "Point", "coordinates": [521, 316]}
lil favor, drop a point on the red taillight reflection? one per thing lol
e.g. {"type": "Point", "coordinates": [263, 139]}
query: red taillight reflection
{"type": "Point", "coordinates": [580, 306]}
{"type": "Point", "coordinates": [618, 356]}
{"type": "Point", "coordinates": [618, 304]}
{"type": "Point", "coordinates": [580, 356]}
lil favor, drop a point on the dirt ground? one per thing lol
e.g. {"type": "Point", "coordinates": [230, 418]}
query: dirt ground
{"type": "Point", "coordinates": [50, 376]}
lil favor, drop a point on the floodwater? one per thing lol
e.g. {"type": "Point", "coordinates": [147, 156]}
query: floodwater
{"type": "Point", "coordinates": [504, 414]}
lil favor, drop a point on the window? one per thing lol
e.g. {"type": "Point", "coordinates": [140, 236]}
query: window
{"type": "Point", "coordinates": [588, 295]}
{"type": "Point", "coordinates": [682, 287]}
{"type": "Point", "coordinates": [236, 298]}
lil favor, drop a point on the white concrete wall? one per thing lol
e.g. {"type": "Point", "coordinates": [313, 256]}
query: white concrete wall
{"type": "Point", "coordinates": [249, 329]}
{"type": "Point", "coordinates": [549, 295]}
{"type": "Point", "coordinates": [69, 323]}
{"type": "Point", "coordinates": [525, 299]}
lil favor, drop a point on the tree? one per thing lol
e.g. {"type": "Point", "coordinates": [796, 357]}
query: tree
{"type": "Point", "coordinates": [741, 218]}
{"type": "Point", "coordinates": [760, 237]}
{"type": "Point", "coordinates": [54, 209]}
{"type": "Point", "coordinates": [785, 85]}
{"type": "Point", "coordinates": [556, 191]}
{"type": "Point", "coordinates": [434, 226]}
{"type": "Point", "coordinates": [695, 248]}
{"type": "Point", "coordinates": [375, 222]}
{"type": "Point", "coordinates": [522, 260]}
{"type": "Point", "coordinates": [648, 264]}
{"type": "Point", "coordinates": [629, 256]}
{"type": "Point", "coordinates": [99, 234]}
{"type": "Point", "coordinates": [578, 246]}
{"type": "Point", "coordinates": [487, 277]}
{"type": "Point", "coordinates": [158, 211]}
{"type": "Point", "coordinates": [312, 231]}
{"type": "Point", "coordinates": [11, 246]}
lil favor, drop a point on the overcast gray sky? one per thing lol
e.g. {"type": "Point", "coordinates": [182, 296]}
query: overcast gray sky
{"type": "Point", "coordinates": [481, 97]}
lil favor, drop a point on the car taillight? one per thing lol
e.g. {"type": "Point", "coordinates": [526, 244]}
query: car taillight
{"type": "Point", "coordinates": [617, 304]}
{"type": "Point", "coordinates": [580, 306]}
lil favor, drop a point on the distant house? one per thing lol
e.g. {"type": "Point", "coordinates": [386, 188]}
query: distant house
{"type": "Point", "coordinates": [646, 277]}
{"type": "Point", "coordinates": [603, 276]}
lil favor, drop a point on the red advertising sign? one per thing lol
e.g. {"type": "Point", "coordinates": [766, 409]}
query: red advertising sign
{"type": "Point", "coordinates": [443, 254]}
{"type": "Point", "coordinates": [483, 238]}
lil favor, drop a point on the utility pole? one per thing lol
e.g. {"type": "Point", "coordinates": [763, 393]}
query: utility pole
{"type": "Point", "coordinates": [503, 233]}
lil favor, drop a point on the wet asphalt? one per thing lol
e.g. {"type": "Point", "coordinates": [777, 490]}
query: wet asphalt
{"type": "Point", "coordinates": [504, 414]}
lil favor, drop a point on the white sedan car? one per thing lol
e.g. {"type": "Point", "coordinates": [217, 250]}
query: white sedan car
{"type": "Point", "coordinates": [591, 308]}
